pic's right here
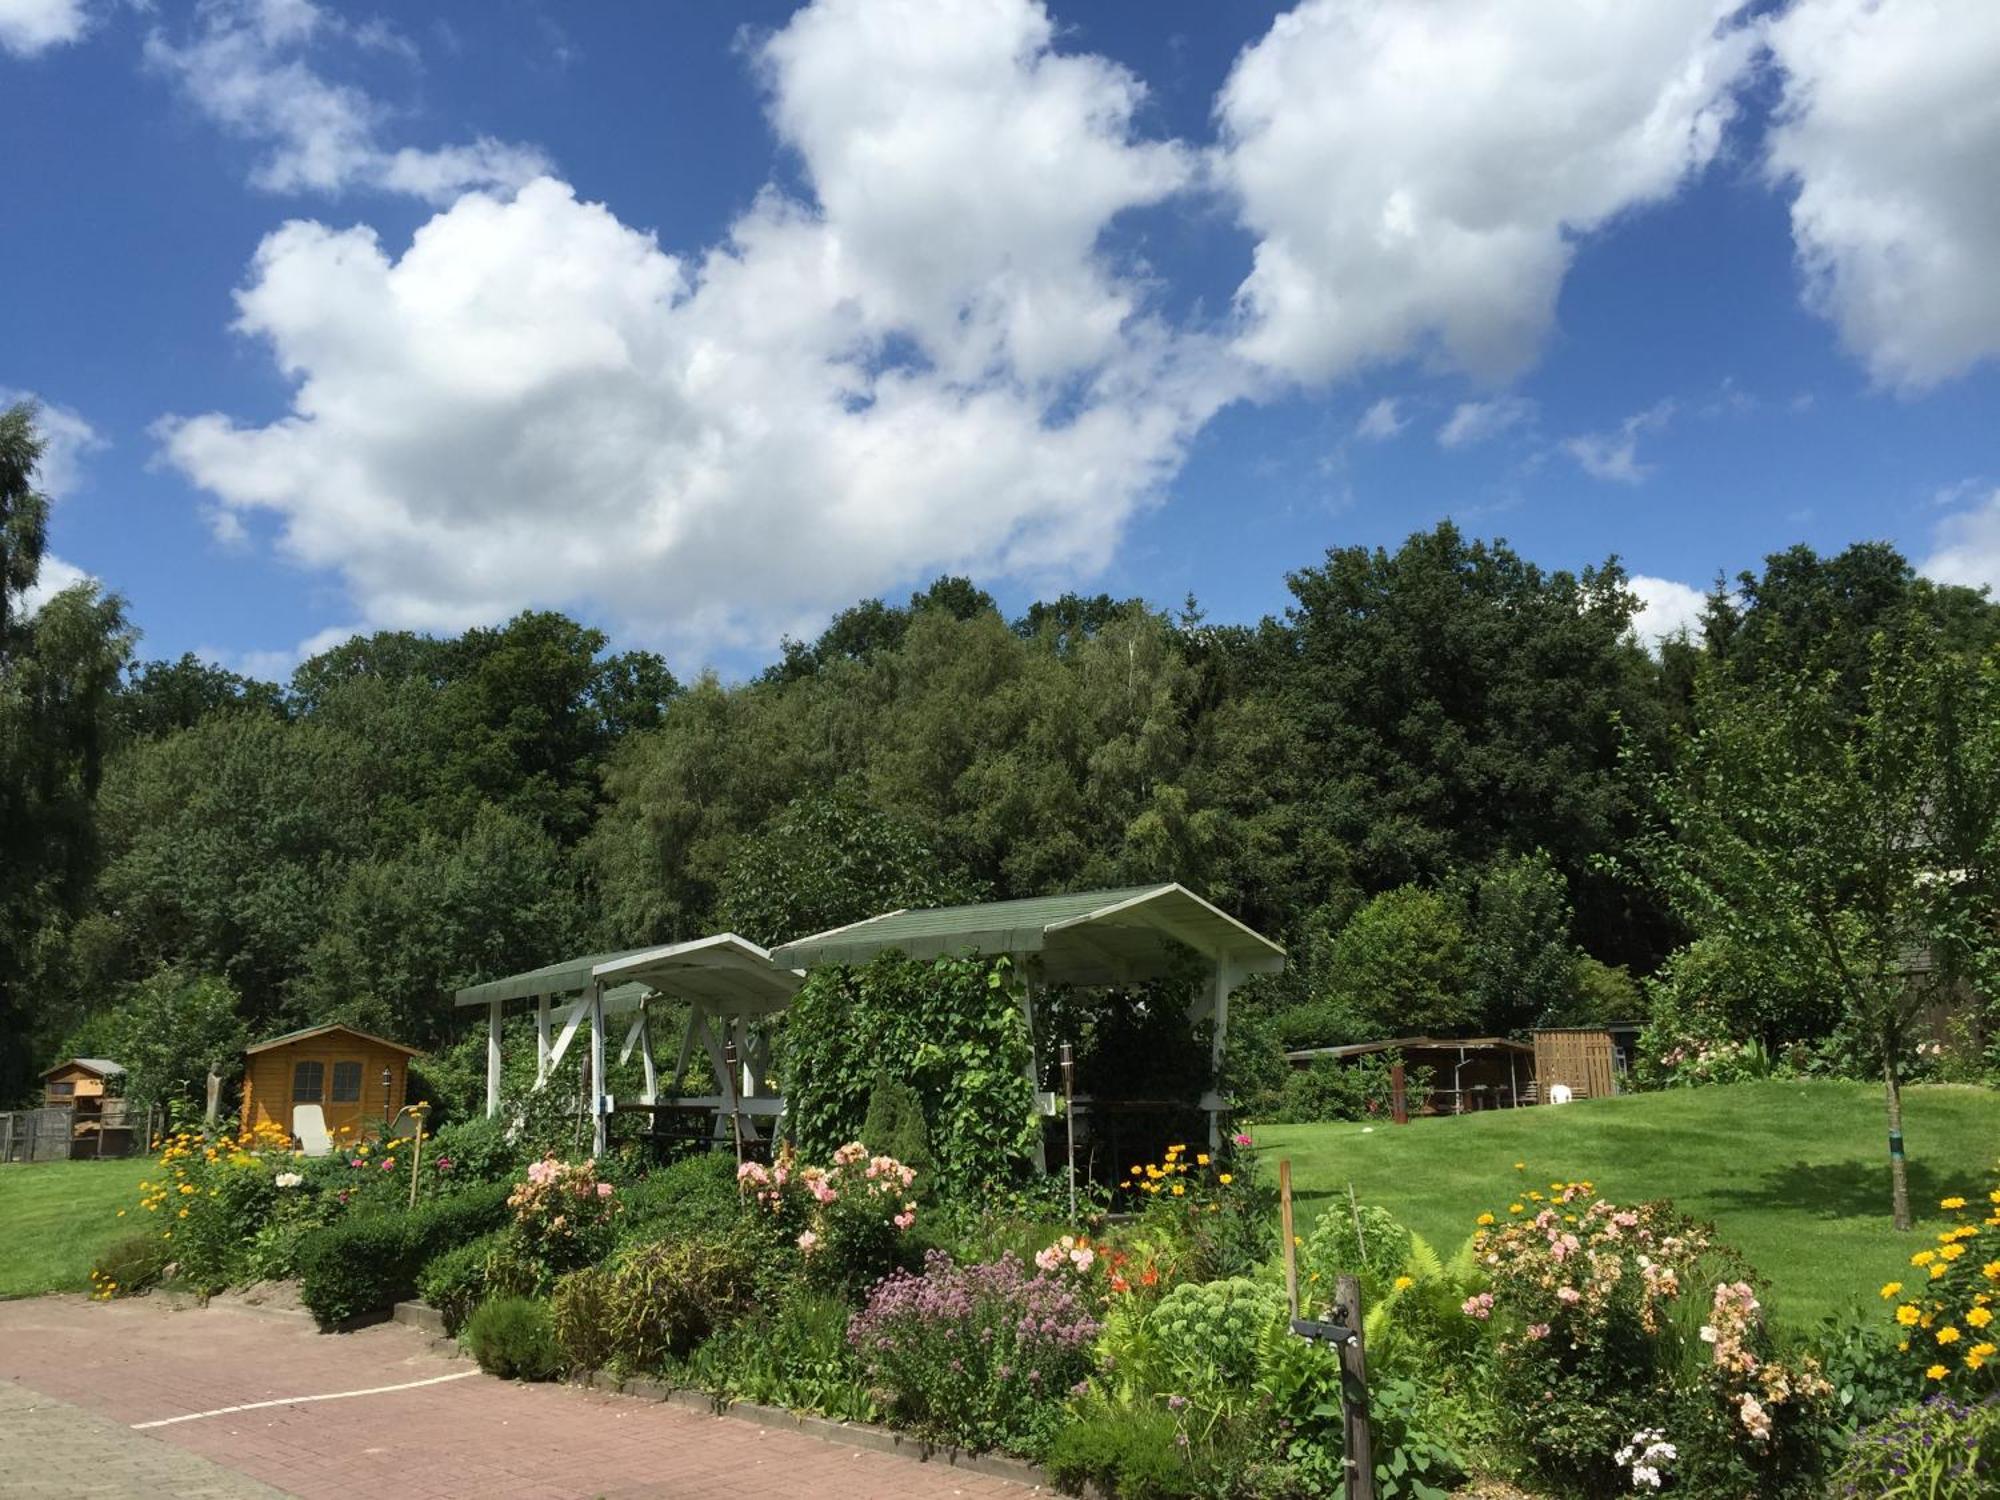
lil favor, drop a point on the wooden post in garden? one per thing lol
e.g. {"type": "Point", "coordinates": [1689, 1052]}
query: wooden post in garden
{"type": "Point", "coordinates": [1285, 1229]}
{"type": "Point", "coordinates": [1358, 1445]}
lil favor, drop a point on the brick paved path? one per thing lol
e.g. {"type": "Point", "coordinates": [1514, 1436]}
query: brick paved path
{"type": "Point", "coordinates": [121, 1363]}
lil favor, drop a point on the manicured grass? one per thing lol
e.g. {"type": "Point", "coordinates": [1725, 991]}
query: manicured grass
{"type": "Point", "coordinates": [1796, 1176]}
{"type": "Point", "coordinates": [55, 1216]}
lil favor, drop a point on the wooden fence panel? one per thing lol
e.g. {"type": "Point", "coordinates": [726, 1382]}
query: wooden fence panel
{"type": "Point", "coordinates": [1582, 1058]}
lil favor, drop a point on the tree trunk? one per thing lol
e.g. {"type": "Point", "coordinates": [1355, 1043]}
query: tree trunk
{"type": "Point", "coordinates": [1899, 1177]}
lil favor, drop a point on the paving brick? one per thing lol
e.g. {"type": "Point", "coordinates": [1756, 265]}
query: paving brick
{"type": "Point", "coordinates": [139, 1361]}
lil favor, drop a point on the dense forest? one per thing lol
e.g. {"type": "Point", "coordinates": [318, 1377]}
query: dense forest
{"type": "Point", "coordinates": [1455, 784]}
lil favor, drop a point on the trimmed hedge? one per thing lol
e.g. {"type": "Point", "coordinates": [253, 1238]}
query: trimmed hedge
{"type": "Point", "coordinates": [455, 1282]}
{"type": "Point", "coordinates": [370, 1262]}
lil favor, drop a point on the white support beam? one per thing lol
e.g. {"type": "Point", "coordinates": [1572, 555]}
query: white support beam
{"type": "Point", "coordinates": [652, 1095]}
{"type": "Point", "coordinates": [493, 1010]}
{"type": "Point", "coordinates": [1213, 1005]}
{"type": "Point", "coordinates": [632, 1037]}
{"type": "Point", "coordinates": [542, 1060]}
{"type": "Point", "coordinates": [572, 1018]}
{"type": "Point", "coordinates": [599, 1101]}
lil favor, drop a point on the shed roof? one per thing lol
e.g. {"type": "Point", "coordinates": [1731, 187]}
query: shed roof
{"type": "Point", "coordinates": [1413, 1044]}
{"type": "Point", "coordinates": [1087, 937]}
{"type": "Point", "coordinates": [312, 1031]}
{"type": "Point", "coordinates": [103, 1067]}
{"type": "Point", "coordinates": [728, 972]}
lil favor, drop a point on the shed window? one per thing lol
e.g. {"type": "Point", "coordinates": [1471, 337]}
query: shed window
{"type": "Point", "coordinates": [346, 1083]}
{"type": "Point", "coordinates": [66, 1087]}
{"type": "Point", "coordinates": [308, 1082]}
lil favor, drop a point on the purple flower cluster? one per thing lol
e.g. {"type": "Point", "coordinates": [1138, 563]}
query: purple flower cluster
{"type": "Point", "coordinates": [968, 1354]}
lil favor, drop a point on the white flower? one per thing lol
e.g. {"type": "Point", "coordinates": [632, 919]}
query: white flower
{"type": "Point", "coordinates": [288, 1179]}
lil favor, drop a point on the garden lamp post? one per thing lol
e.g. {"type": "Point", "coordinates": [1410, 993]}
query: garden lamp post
{"type": "Point", "coordinates": [1069, 1121]}
{"type": "Point", "coordinates": [388, 1104]}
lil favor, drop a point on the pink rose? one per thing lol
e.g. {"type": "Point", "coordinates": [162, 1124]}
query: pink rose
{"type": "Point", "coordinates": [604, 1190]}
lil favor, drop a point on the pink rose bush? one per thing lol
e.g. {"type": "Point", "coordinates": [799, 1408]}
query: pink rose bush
{"type": "Point", "coordinates": [848, 1219]}
{"type": "Point", "coordinates": [563, 1214]}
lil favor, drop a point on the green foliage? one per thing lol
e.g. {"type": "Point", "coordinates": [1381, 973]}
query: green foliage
{"type": "Point", "coordinates": [825, 861]}
{"type": "Point", "coordinates": [129, 1266]}
{"type": "Point", "coordinates": [652, 1303]}
{"type": "Point", "coordinates": [1128, 1452]}
{"type": "Point", "coordinates": [796, 1356]}
{"type": "Point", "coordinates": [1352, 1239]}
{"type": "Point", "coordinates": [455, 1282]}
{"type": "Point", "coordinates": [466, 1153]}
{"type": "Point", "coordinates": [1356, 1088]}
{"type": "Point", "coordinates": [1719, 990]}
{"type": "Point", "coordinates": [953, 1030]}
{"type": "Point", "coordinates": [1405, 965]}
{"type": "Point", "coordinates": [168, 1030]}
{"type": "Point", "coordinates": [1602, 992]}
{"type": "Point", "coordinates": [694, 1197]}
{"type": "Point", "coordinates": [514, 1338]}
{"type": "Point", "coordinates": [1939, 1449]}
{"type": "Point", "coordinates": [895, 1127]}
{"type": "Point", "coordinates": [1523, 964]}
{"type": "Point", "coordinates": [1201, 1343]}
{"type": "Point", "coordinates": [368, 1262]}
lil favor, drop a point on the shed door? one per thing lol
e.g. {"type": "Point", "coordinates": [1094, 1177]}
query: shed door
{"type": "Point", "coordinates": [343, 1093]}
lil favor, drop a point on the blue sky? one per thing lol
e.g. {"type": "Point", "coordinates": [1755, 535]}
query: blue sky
{"type": "Point", "coordinates": [701, 321]}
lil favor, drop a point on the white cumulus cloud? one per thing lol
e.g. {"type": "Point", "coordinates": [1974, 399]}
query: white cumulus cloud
{"type": "Point", "coordinates": [1666, 609]}
{"type": "Point", "coordinates": [1966, 546]}
{"type": "Point", "coordinates": [55, 576]}
{"type": "Point", "coordinates": [247, 67]}
{"type": "Point", "coordinates": [930, 364]}
{"type": "Point", "coordinates": [1888, 132]}
{"type": "Point", "coordinates": [1475, 421]}
{"type": "Point", "coordinates": [1416, 172]}
{"type": "Point", "coordinates": [1614, 455]}
{"type": "Point", "coordinates": [28, 27]}
{"type": "Point", "coordinates": [1382, 421]}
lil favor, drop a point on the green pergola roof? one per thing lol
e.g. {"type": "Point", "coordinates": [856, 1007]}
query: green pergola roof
{"type": "Point", "coordinates": [564, 978]}
{"type": "Point", "coordinates": [1087, 937]}
{"type": "Point", "coordinates": [725, 971]}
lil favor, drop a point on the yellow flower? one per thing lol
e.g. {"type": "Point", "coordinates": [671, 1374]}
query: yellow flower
{"type": "Point", "coordinates": [1225, 1179]}
{"type": "Point", "coordinates": [1403, 1282]}
{"type": "Point", "coordinates": [1991, 1270]}
{"type": "Point", "coordinates": [1952, 1252]}
{"type": "Point", "coordinates": [121, 1213]}
{"type": "Point", "coordinates": [1979, 1317]}
{"type": "Point", "coordinates": [1520, 1166]}
{"type": "Point", "coordinates": [1951, 1203]}
{"type": "Point", "coordinates": [182, 1214]}
{"type": "Point", "coordinates": [1947, 1335]}
{"type": "Point", "coordinates": [1483, 1220]}
{"type": "Point", "coordinates": [1939, 1269]}
{"type": "Point", "coordinates": [1923, 1257]}
{"type": "Point", "coordinates": [1936, 1372]}
{"type": "Point", "coordinates": [1179, 1189]}
{"type": "Point", "coordinates": [1906, 1315]}
{"type": "Point", "coordinates": [1138, 1171]}
{"type": "Point", "coordinates": [1201, 1160]}
{"type": "Point", "coordinates": [1891, 1289]}
{"type": "Point", "coordinates": [1984, 1350]}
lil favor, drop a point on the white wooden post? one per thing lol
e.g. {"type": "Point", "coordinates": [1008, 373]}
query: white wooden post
{"type": "Point", "coordinates": [597, 1095]}
{"type": "Point", "coordinates": [1223, 982]}
{"type": "Point", "coordinates": [493, 1010]}
{"type": "Point", "coordinates": [646, 1050]}
{"type": "Point", "coordinates": [542, 1061]}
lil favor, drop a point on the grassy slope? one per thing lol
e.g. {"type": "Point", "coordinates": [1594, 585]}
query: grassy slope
{"type": "Point", "coordinates": [1796, 1176]}
{"type": "Point", "coordinates": [55, 1216]}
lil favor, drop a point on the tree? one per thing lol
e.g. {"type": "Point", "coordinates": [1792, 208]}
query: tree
{"type": "Point", "coordinates": [58, 668]}
{"type": "Point", "coordinates": [1523, 964]}
{"type": "Point", "coordinates": [1404, 964]}
{"type": "Point", "coordinates": [1827, 834]}
{"type": "Point", "coordinates": [167, 1031]}
{"type": "Point", "coordinates": [160, 697]}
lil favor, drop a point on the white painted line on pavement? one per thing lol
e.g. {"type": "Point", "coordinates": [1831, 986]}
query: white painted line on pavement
{"type": "Point", "coordinates": [378, 1390]}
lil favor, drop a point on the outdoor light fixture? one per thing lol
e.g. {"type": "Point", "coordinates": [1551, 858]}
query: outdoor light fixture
{"type": "Point", "coordinates": [1069, 1120]}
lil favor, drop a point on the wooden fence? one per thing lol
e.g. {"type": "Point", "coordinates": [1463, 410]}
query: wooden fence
{"type": "Point", "coordinates": [1583, 1058]}
{"type": "Point", "coordinates": [60, 1134]}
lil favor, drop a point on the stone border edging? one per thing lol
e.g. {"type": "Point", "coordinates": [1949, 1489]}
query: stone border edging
{"type": "Point", "coordinates": [421, 1316]}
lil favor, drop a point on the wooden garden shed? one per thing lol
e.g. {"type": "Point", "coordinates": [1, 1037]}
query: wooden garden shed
{"type": "Point", "coordinates": [358, 1081]}
{"type": "Point", "coordinates": [68, 1084]}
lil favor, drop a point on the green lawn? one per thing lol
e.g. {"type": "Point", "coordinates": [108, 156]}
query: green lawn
{"type": "Point", "coordinates": [1794, 1175]}
{"type": "Point", "coordinates": [55, 1216]}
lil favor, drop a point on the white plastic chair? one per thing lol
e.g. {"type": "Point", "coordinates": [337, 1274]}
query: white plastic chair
{"type": "Point", "coordinates": [309, 1125]}
{"type": "Point", "coordinates": [1559, 1093]}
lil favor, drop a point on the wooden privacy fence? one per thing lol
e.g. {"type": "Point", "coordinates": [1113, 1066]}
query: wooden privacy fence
{"type": "Point", "coordinates": [1582, 1057]}
{"type": "Point", "coordinates": [59, 1134]}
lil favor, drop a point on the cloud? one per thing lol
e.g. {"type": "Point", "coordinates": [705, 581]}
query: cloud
{"type": "Point", "coordinates": [1966, 546]}
{"type": "Point", "coordinates": [1887, 133]}
{"type": "Point", "coordinates": [29, 27]}
{"type": "Point", "coordinates": [1476, 421]}
{"type": "Point", "coordinates": [277, 665]}
{"type": "Point", "coordinates": [245, 67]}
{"type": "Point", "coordinates": [55, 576]}
{"type": "Point", "coordinates": [66, 439]}
{"type": "Point", "coordinates": [1614, 455]}
{"type": "Point", "coordinates": [1666, 609]}
{"type": "Point", "coordinates": [931, 364]}
{"type": "Point", "coordinates": [1416, 175]}
{"type": "Point", "coordinates": [1381, 421]}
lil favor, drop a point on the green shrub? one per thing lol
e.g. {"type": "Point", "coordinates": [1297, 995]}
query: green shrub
{"type": "Point", "coordinates": [513, 1337]}
{"type": "Point", "coordinates": [1131, 1453]}
{"type": "Point", "coordinates": [1939, 1450]}
{"type": "Point", "coordinates": [128, 1266]}
{"type": "Point", "coordinates": [652, 1303]}
{"type": "Point", "coordinates": [456, 1282]}
{"type": "Point", "coordinates": [695, 1196]}
{"type": "Point", "coordinates": [369, 1262]}
{"type": "Point", "coordinates": [468, 1153]}
{"type": "Point", "coordinates": [797, 1357]}
{"type": "Point", "coordinates": [1201, 1343]}
{"type": "Point", "coordinates": [1358, 1240]}
{"type": "Point", "coordinates": [895, 1127]}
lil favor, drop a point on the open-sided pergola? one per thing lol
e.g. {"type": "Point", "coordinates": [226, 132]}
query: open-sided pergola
{"type": "Point", "coordinates": [728, 982]}
{"type": "Point", "coordinates": [1089, 938]}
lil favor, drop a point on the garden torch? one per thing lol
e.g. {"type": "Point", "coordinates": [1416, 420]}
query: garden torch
{"type": "Point", "coordinates": [1069, 1121]}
